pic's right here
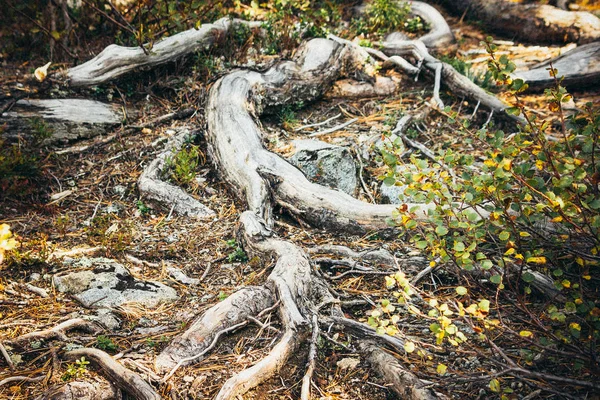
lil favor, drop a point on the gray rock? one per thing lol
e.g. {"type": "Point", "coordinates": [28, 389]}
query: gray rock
{"type": "Point", "coordinates": [109, 320]}
{"type": "Point", "coordinates": [108, 284]}
{"type": "Point", "coordinates": [326, 164]}
{"type": "Point", "coordinates": [390, 194]}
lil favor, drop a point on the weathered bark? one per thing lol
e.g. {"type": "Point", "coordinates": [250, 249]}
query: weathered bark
{"type": "Point", "coordinates": [152, 184]}
{"type": "Point", "coordinates": [115, 61]}
{"type": "Point", "coordinates": [83, 390]}
{"type": "Point", "coordinates": [236, 143]}
{"type": "Point", "coordinates": [234, 309]}
{"type": "Point", "coordinates": [580, 68]}
{"type": "Point", "coordinates": [404, 383]}
{"type": "Point", "coordinates": [60, 121]}
{"type": "Point", "coordinates": [530, 22]}
{"type": "Point", "coordinates": [125, 379]}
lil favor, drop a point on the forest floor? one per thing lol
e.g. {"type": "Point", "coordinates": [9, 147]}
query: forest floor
{"type": "Point", "coordinates": [89, 200]}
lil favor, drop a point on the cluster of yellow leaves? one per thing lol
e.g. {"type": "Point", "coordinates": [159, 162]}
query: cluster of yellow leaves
{"type": "Point", "coordinates": [7, 242]}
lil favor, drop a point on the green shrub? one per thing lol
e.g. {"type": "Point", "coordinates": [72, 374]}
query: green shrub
{"type": "Point", "coordinates": [184, 164]}
{"type": "Point", "coordinates": [529, 203]}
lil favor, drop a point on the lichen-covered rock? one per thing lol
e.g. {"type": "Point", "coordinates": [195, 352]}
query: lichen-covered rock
{"type": "Point", "coordinates": [326, 164]}
{"type": "Point", "coordinates": [91, 389]}
{"type": "Point", "coordinates": [106, 283]}
{"type": "Point", "coordinates": [390, 194]}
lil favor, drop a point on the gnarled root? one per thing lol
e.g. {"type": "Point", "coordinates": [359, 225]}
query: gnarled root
{"type": "Point", "coordinates": [403, 382]}
{"type": "Point", "coordinates": [152, 185]}
{"type": "Point", "coordinates": [58, 331]}
{"type": "Point", "coordinates": [125, 379]}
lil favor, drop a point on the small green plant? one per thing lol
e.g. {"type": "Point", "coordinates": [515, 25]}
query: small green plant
{"type": "Point", "coordinates": [142, 207]}
{"type": "Point", "coordinates": [386, 15]}
{"type": "Point", "coordinates": [222, 296]}
{"type": "Point", "coordinates": [528, 204]}
{"type": "Point", "coordinates": [483, 79]}
{"type": "Point", "coordinates": [105, 343]}
{"type": "Point", "coordinates": [77, 370]}
{"type": "Point", "coordinates": [184, 164]}
{"type": "Point", "coordinates": [238, 254]}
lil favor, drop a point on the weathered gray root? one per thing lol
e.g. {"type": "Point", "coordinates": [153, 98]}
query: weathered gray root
{"type": "Point", "coordinates": [59, 121]}
{"type": "Point", "coordinates": [440, 36]}
{"type": "Point", "coordinates": [115, 61]}
{"type": "Point", "coordinates": [83, 390]}
{"type": "Point", "coordinates": [57, 332]}
{"type": "Point", "coordinates": [236, 142]}
{"type": "Point", "coordinates": [531, 22]}
{"type": "Point", "coordinates": [152, 185]}
{"type": "Point", "coordinates": [125, 379]}
{"type": "Point", "coordinates": [459, 85]}
{"type": "Point", "coordinates": [579, 67]}
{"type": "Point", "coordinates": [236, 308]}
{"type": "Point", "coordinates": [403, 382]}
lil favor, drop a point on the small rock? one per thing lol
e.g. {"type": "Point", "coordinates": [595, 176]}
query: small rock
{"type": "Point", "coordinates": [390, 194]}
{"type": "Point", "coordinates": [348, 363]}
{"type": "Point", "coordinates": [119, 190]}
{"type": "Point", "coordinates": [326, 164]}
{"type": "Point", "coordinates": [109, 284]}
{"type": "Point", "coordinates": [112, 209]}
{"type": "Point", "coordinates": [35, 277]}
{"type": "Point", "coordinates": [108, 319]}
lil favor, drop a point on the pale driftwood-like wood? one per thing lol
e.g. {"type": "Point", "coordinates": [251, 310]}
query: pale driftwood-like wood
{"type": "Point", "coordinates": [153, 186]}
{"type": "Point", "coordinates": [58, 331]}
{"type": "Point", "coordinates": [580, 68]}
{"type": "Point", "coordinates": [64, 120]}
{"type": "Point", "coordinates": [125, 379]}
{"type": "Point", "coordinates": [236, 142]}
{"type": "Point", "coordinates": [234, 309]}
{"type": "Point", "coordinates": [440, 36]}
{"type": "Point", "coordinates": [403, 382]}
{"type": "Point", "coordinates": [530, 22]}
{"type": "Point", "coordinates": [95, 389]}
{"type": "Point", "coordinates": [115, 61]}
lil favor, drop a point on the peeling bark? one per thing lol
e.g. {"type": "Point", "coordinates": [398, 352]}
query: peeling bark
{"type": "Point", "coordinates": [530, 22]}
{"type": "Point", "coordinates": [403, 382]}
{"type": "Point", "coordinates": [580, 68]}
{"type": "Point", "coordinates": [125, 379]}
{"type": "Point", "coordinates": [115, 61]}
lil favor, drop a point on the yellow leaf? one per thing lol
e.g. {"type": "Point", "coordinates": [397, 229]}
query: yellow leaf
{"type": "Point", "coordinates": [575, 325]}
{"type": "Point", "coordinates": [41, 73]}
{"type": "Point", "coordinates": [526, 333]}
{"type": "Point", "coordinates": [557, 219]}
{"type": "Point", "coordinates": [539, 164]}
{"type": "Point", "coordinates": [390, 282]}
{"type": "Point", "coordinates": [441, 369]}
{"type": "Point", "coordinates": [587, 277]}
{"type": "Point", "coordinates": [146, 131]}
{"type": "Point", "coordinates": [537, 260]}
{"type": "Point", "coordinates": [524, 234]}
{"type": "Point", "coordinates": [409, 347]}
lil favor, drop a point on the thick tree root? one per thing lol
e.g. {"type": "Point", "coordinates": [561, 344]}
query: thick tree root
{"type": "Point", "coordinates": [115, 61]}
{"type": "Point", "coordinates": [83, 390]}
{"type": "Point", "coordinates": [233, 310]}
{"type": "Point", "coordinates": [125, 379]}
{"type": "Point", "coordinates": [532, 22]}
{"type": "Point", "coordinates": [403, 382]}
{"type": "Point", "coordinates": [152, 185]}
{"type": "Point", "coordinates": [580, 69]}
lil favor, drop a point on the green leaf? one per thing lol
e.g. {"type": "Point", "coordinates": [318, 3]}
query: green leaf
{"type": "Point", "coordinates": [497, 279]}
{"type": "Point", "coordinates": [441, 230]}
{"type": "Point", "coordinates": [504, 235]}
{"type": "Point", "coordinates": [528, 277]}
{"type": "Point", "coordinates": [461, 290]}
{"type": "Point", "coordinates": [495, 385]}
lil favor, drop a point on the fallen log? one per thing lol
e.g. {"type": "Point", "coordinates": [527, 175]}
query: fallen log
{"type": "Point", "coordinates": [533, 23]}
{"type": "Point", "coordinates": [579, 67]}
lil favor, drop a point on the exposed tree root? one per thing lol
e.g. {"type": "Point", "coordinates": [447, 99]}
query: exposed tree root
{"type": "Point", "coordinates": [57, 332]}
{"type": "Point", "coordinates": [115, 61]}
{"type": "Point", "coordinates": [532, 22]}
{"type": "Point", "coordinates": [152, 185]}
{"type": "Point", "coordinates": [83, 390]}
{"type": "Point", "coordinates": [125, 379]}
{"type": "Point", "coordinates": [579, 67]}
{"type": "Point", "coordinates": [231, 311]}
{"type": "Point", "coordinates": [403, 382]}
